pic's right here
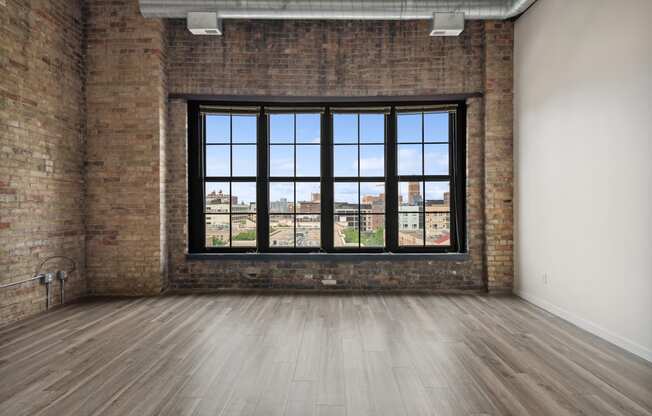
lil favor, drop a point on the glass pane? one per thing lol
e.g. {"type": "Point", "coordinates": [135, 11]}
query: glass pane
{"type": "Point", "coordinates": [435, 128]}
{"type": "Point", "coordinates": [217, 197]}
{"type": "Point", "coordinates": [410, 229]}
{"type": "Point", "coordinates": [308, 162]}
{"type": "Point", "coordinates": [408, 128]}
{"type": "Point", "coordinates": [217, 128]}
{"type": "Point", "coordinates": [243, 197]}
{"type": "Point", "coordinates": [281, 197]}
{"type": "Point", "coordinates": [244, 128]}
{"type": "Point", "coordinates": [217, 231]}
{"type": "Point", "coordinates": [281, 231]}
{"type": "Point", "coordinates": [438, 229]}
{"type": "Point", "coordinates": [437, 196]}
{"type": "Point", "coordinates": [217, 160]}
{"type": "Point", "coordinates": [281, 128]}
{"type": "Point", "coordinates": [244, 230]}
{"type": "Point", "coordinates": [244, 160]}
{"type": "Point", "coordinates": [345, 160]}
{"type": "Point", "coordinates": [308, 231]}
{"type": "Point", "coordinates": [372, 128]}
{"type": "Point", "coordinates": [436, 159]}
{"type": "Point", "coordinates": [346, 197]}
{"type": "Point", "coordinates": [281, 160]}
{"type": "Point", "coordinates": [308, 128]}
{"type": "Point", "coordinates": [410, 196]}
{"type": "Point", "coordinates": [345, 128]}
{"type": "Point", "coordinates": [372, 197]}
{"type": "Point", "coordinates": [372, 160]}
{"type": "Point", "coordinates": [308, 197]}
{"type": "Point", "coordinates": [409, 159]}
{"type": "Point", "coordinates": [372, 230]}
{"type": "Point", "coordinates": [345, 229]}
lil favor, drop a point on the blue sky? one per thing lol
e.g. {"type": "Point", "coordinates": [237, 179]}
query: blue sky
{"type": "Point", "coordinates": [346, 129]}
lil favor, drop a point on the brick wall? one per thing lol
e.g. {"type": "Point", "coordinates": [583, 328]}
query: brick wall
{"type": "Point", "coordinates": [66, 100]}
{"type": "Point", "coordinates": [499, 45]}
{"type": "Point", "coordinates": [41, 149]}
{"type": "Point", "coordinates": [125, 170]}
{"type": "Point", "coordinates": [333, 58]}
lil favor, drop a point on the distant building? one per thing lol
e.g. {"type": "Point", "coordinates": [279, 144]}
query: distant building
{"type": "Point", "coordinates": [414, 193]}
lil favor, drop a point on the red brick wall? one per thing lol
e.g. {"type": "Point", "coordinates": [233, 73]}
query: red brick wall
{"type": "Point", "coordinates": [125, 174]}
{"type": "Point", "coordinates": [334, 58]}
{"type": "Point", "coordinates": [499, 227]}
{"type": "Point", "coordinates": [41, 149]}
{"type": "Point", "coordinates": [102, 100]}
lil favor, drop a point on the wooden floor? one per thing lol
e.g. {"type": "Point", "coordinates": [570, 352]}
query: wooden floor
{"type": "Point", "coordinates": [314, 355]}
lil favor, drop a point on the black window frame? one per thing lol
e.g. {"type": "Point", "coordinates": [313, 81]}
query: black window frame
{"type": "Point", "coordinates": [457, 175]}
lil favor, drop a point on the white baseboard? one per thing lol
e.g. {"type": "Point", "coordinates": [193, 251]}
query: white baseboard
{"type": "Point", "coordinates": [589, 326]}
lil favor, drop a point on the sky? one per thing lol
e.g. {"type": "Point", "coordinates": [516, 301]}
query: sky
{"type": "Point", "coordinates": [348, 129]}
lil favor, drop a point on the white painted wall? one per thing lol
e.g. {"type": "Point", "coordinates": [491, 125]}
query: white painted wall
{"type": "Point", "coordinates": [583, 159]}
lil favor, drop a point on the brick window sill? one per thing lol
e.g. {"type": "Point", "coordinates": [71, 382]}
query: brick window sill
{"type": "Point", "coordinates": [330, 257]}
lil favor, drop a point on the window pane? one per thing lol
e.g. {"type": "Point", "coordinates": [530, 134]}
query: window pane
{"type": "Point", "coordinates": [410, 196]}
{"type": "Point", "coordinates": [372, 128]}
{"type": "Point", "coordinates": [372, 160]}
{"type": "Point", "coordinates": [308, 197]}
{"type": "Point", "coordinates": [244, 160]}
{"type": "Point", "coordinates": [308, 231]}
{"type": "Point", "coordinates": [436, 159]}
{"type": "Point", "coordinates": [281, 128]}
{"type": "Point", "coordinates": [217, 128]}
{"type": "Point", "coordinates": [217, 197]}
{"type": "Point", "coordinates": [345, 229]}
{"type": "Point", "coordinates": [346, 196]}
{"type": "Point", "coordinates": [438, 229]}
{"type": "Point", "coordinates": [408, 127]}
{"type": "Point", "coordinates": [244, 128]}
{"type": "Point", "coordinates": [435, 127]}
{"type": "Point", "coordinates": [281, 231]}
{"type": "Point", "coordinates": [308, 128]}
{"type": "Point", "coordinates": [409, 159]}
{"type": "Point", "coordinates": [281, 197]}
{"type": "Point", "coordinates": [217, 160]}
{"type": "Point", "coordinates": [308, 162]}
{"type": "Point", "coordinates": [372, 197]}
{"type": "Point", "coordinates": [217, 231]}
{"type": "Point", "coordinates": [410, 229]}
{"type": "Point", "coordinates": [372, 231]}
{"type": "Point", "coordinates": [345, 160]}
{"type": "Point", "coordinates": [243, 228]}
{"type": "Point", "coordinates": [437, 196]}
{"type": "Point", "coordinates": [281, 160]}
{"type": "Point", "coordinates": [345, 128]}
{"type": "Point", "coordinates": [243, 197]}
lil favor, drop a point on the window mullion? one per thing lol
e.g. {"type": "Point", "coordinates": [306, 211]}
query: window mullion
{"type": "Point", "coordinates": [327, 197]}
{"type": "Point", "coordinates": [262, 185]}
{"type": "Point", "coordinates": [391, 183]}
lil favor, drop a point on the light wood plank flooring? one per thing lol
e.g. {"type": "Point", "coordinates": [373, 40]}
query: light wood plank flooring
{"type": "Point", "coordinates": [328, 355]}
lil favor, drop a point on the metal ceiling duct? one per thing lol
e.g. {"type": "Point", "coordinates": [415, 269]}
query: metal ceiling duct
{"type": "Point", "coordinates": [335, 9]}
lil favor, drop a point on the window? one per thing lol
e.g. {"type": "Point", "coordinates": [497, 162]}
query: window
{"type": "Point", "coordinates": [367, 177]}
{"type": "Point", "coordinates": [424, 175]}
{"type": "Point", "coordinates": [294, 180]}
{"type": "Point", "coordinates": [358, 179]}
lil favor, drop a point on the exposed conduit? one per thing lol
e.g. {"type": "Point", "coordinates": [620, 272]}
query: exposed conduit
{"type": "Point", "coordinates": [335, 9]}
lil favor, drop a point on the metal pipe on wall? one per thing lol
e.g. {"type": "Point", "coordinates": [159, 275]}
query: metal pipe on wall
{"type": "Point", "coordinates": [335, 9]}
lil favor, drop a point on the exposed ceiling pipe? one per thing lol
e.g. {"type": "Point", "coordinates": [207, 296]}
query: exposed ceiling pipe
{"type": "Point", "coordinates": [335, 9]}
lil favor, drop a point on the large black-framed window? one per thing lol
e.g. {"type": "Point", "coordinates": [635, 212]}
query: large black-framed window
{"type": "Point", "coordinates": [368, 177]}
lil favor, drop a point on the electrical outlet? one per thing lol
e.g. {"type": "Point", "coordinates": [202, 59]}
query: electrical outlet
{"type": "Point", "coordinates": [544, 278]}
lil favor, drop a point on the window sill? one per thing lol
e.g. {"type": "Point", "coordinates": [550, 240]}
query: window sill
{"type": "Point", "coordinates": [330, 257]}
